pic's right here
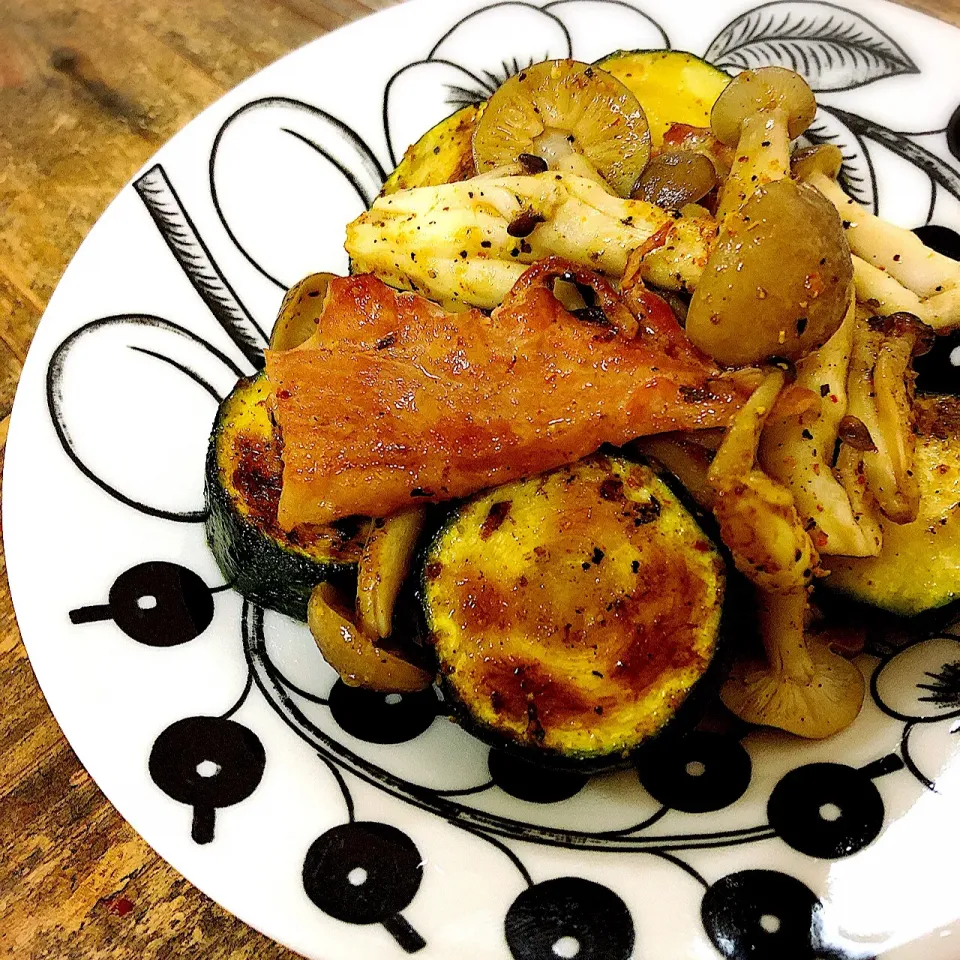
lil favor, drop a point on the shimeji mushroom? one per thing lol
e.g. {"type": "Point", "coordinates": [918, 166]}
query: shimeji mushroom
{"type": "Point", "coordinates": [879, 413]}
{"type": "Point", "coordinates": [300, 312]}
{"type": "Point", "coordinates": [384, 565]}
{"type": "Point", "coordinates": [676, 178]}
{"type": "Point", "coordinates": [781, 267]}
{"type": "Point", "coordinates": [781, 270]}
{"type": "Point", "coordinates": [802, 686]}
{"type": "Point", "coordinates": [798, 452]}
{"type": "Point", "coordinates": [761, 113]}
{"type": "Point", "coordinates": [563, 109]}
{"type": "Point", "coordinates": [757, 516]}
{"type": "Point", "coordinates": [897, 270]}
{"type": "Point", "coordinates": [466, 243]}
{"type": "Point", "coordinates": [353, 652]}
{"type": "Point", "coordinates": [350, 639]}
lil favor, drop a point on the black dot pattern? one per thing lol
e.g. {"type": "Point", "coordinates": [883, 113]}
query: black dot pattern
{"type": "Point", "coordinates": [953, 133]}
{"type": "Point", "coordinates": [364, 873]}
{"type": "Point", "coordinates": [156, 603]}
{"type": "Point", "coordinates": [382, 717]}
{"type": "Point", "coordinates": [525, 781]}
{"type": "Point", "coordinates": [182, 608]}
{"type": "Point", "coordinates": [207, 763]}
{"type": "Point", "coordinates": [569, 912]}
{"type": "Point", "coordinates": [702, 771]}
{"type": "Point", "coordinates": [944, 240]}
{"type": "Point", "coordinates": [826, 810]}
{"type": "Point", "coordinates": [762, 915]}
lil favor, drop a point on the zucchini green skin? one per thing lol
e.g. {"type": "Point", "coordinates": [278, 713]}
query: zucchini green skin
{"type": "Point", "coordinates": [918, 569]}
{"type": "Point", "coordinates": [607, 748]}
{"type": "Point", "coordinates": [263, 564]}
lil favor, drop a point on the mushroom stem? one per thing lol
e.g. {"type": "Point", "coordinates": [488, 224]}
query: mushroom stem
{"type": "Point", "coordinates": [453, 242]}
{"type": "Point", "coordinates": [798, 452]}
{"type": "Point", "coordinates": [762, 156]}
{"type": "Point", "coordinates": [781, 627]}
{"type": "Point", "coordinates": [899, 252]}
{"type": "Point", "coordinates": [757, 516]}
{"type": "Point", "coordinates": [384, 565]}
{"type": "Point", "coordinates": [880, 391]}
{"type": "Point", "coordinates": [803, 687]}
{"type": "Point", "coordinates": [886, 294]}
{"type": "Point", "coordinates": [737, 454]}
{"type": "Point", "coordinates": [761, 111]}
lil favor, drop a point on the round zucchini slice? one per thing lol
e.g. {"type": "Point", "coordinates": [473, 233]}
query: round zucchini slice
{"type": "Point", "coordinates": [574, 614]}
{"type": "Point", "coordinates": [444, 154]}
{"type": "Point", "coordinates": [242, 486]}
{"type": "Point", "coordinates": [672, 86]}
{"type": "Point", "coordinates": [918, 568]}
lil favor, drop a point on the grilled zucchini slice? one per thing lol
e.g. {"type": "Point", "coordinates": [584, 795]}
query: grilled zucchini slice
{"type": "Point", "coordinates": [918, 568]}
{"type": "Point", "coordinates": [444, 154]}
{"type": "Point", "coordinates": [672, 86]}
{"type": "Point", "coordinates": [242, 487]}
{"type": "Point", "coordinates": [574, 615]}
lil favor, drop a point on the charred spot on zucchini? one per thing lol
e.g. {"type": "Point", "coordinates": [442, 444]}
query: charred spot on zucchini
{"type": "Point", "coordinates": [574, 615]}
{"type": "Point", "coordinates": [918, 568]}
{"type": "Point", "coordinates": [242, 487]}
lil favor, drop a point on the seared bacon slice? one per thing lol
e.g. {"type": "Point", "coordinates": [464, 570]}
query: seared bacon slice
{"type": "Point", "coordinates": [395, 401]}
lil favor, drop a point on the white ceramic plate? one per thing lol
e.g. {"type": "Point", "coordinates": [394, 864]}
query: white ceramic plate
{"type": "Point", "coordinates": [216, 728]}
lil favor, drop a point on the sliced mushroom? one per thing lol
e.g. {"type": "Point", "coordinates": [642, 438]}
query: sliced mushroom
{"type": "Point", "coordinates": [757, 516]}
{"type": "Point", "coordinates": [300, 312]}
{"type": "Point", "coordinates": [559, 107]}
{"type": "Point", "coordinates": [803, 687]}
{"type": "Point", "coordinates": [451, 242]}
{"type": "Point", "coordinates": [353, 653]}
{"type": "Point", "coordinates": [880, 387]}
{"type": "Point", "coordinates": [798, 452]}
{"type": "Point", "coordinates": [384, 565]}
{"type": "Point", "coordinates": [761, 112]}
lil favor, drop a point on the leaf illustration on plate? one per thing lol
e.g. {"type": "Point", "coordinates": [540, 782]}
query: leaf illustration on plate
{"type": "Point", "coordinates": [831, 47]}
{"type": "Point", "coordinates": [856, 174]}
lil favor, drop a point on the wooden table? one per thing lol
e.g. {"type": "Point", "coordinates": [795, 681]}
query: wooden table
{"type": "Point", "coordinates": [89, 89]}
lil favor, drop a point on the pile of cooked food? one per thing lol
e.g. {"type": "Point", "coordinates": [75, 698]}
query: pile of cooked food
{"type": "Point", "coordinates": [613, 420]}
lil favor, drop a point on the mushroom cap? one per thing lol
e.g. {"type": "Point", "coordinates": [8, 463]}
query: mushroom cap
{"type": "Point", "coordinates": [676, 178]}
{"type": "Point", "coordinates": [825, 158]}
{"type": "Point", "coordinates": [561, 106]}
{"type": "Point", "coordinates": [757, 91]}
{"type": "Point", "coordinates": [778, 281]}
{"type": "Point", "coordinates": [828, 703]}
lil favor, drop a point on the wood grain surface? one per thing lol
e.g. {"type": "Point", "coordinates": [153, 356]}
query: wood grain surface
{"type": "Point", "coordinates": [89, 89]}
